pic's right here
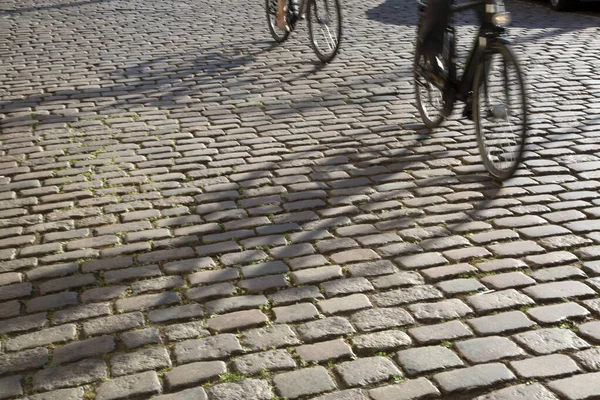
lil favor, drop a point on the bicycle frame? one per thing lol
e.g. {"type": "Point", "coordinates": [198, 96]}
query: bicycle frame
{"type": "Point", "coordinates": [488, 32]}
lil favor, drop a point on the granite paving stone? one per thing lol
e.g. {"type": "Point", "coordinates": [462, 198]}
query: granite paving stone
{"type": "Point", "coordinates": [577, 387]}
{"type": "Point", "coordinates": [427, 359]}
{"type": "Point", "coordinates": [366, 371]}
{"type": "Point", "coordinates": [545, 366]}
{"type": "Point", "coordinates": [315, 380]}
{"type": "Point", "coordinates": [589, 359]}
{"type": "Point", "coordinates": [440, 332]}
{"type": "Point", "coordinates": [491, 348]}
{"type": "Point", "coordinates": [520, 392]}
{"type": "Point", "coordinates": [247, 389]}
{"type": "Point", "coordinates": [380, 341]}
{"type": "Point", "coordinates": [558, 312]}
{"type": "Point", "coordinates": [472, 378]}
{"type": "Point", "coordinates": [550, 340]}
{"type": "Point", "coordinates": [420, 388]}
{"type": "Point", "coordinates": [194, 373]}
{"type": "Point", "coordinates": [502, 323]}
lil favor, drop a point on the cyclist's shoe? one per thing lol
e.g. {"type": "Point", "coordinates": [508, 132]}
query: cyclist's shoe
{"type": "Point", "coordinates": [435, 70]}
{"type": "Point", "coordinates": [468, 111]}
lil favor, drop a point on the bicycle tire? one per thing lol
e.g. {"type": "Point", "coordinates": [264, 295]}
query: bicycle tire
{"type": "Point", "coordinates": [332, 40]}
{"type": "Point", "coordinates": [279, 35]}
{"type": "Point", "coordinates": [500, 151]}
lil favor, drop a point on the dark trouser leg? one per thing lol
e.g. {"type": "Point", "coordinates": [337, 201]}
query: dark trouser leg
{"type": "Point", "coordinates": [433, 26]}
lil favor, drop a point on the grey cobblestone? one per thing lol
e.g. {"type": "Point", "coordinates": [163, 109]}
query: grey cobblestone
{"type": "Point", "coordinates": [583, 386]}
{"type": "Point", "coordinates": [477, 377]}
{"type": "Point", "coordinates": [498, 301]}
{"type": "Point", "coordinates": [248, 389]}
{"type": "Point", "coordinates": [420, 388]}
{"type": "Point", "coordinates": [325, 351]}
{"type": "Point", "coordinates": [441, 332]}
{"type": "Point", "coordinates": [210, 348]}
{"type": "Point", "coordinates": [83, 349]}
{"type": "Point", "coordinates": [380, 341]}
{"type": "Point", "coordinates": [274, 360]}
{"type": "Point", "coordinates": [75, 374]}
{"type": "Point", "coordinates": [141, 360]}
{"type": "Point", "coordinates": [381, 318]}
{"type": "Point", "coordinates": [558, 312]}
{"type": "Point", "coordinates": [143, 384]}
{"type": "Point", "coordinates": [319, 380]}
{"type": "Point", "coordinates": [194, 373]}
{"type": "Point", "coordinates": [23, 360]}
{"type": "Point", "coordinates": [114, 323]}
{"type": "Point", "coordinates": [520, 392]}
{"type": "Point", "coordinates": [550, 340]}
{"type": "Point", "coordinates": [545, 366]}
{"type": "Point", "coordinates": [427, 359]}
{"type": "Point", "coordinates": [493, 348]}
{"type": "Point", "coordinates": [366, 371]}
{"type": "Point", "coordinates": [57, 334]}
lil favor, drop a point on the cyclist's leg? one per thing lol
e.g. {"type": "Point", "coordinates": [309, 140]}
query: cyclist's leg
{"type": "Point", "coordinates": [433, 27]}
{"type": "Point", "coordinates": [281, 11]}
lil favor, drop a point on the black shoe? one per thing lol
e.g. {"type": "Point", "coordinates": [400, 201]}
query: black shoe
{"type": "Point", "coordinates": [435, 69]}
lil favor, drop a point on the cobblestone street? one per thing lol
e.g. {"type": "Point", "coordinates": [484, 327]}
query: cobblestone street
{"type": "Point", "coordinates": [191, 212]}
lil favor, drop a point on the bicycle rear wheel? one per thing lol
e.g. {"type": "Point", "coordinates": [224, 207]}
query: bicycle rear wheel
{"type": "Point", "coordinates": [325, 28]}
{"type": "Point", "coordinates": [500, 111]}
{"type": "Point", "coordinates": [430, 96]}
{"type": "Point", "coordinates": [279, 35]}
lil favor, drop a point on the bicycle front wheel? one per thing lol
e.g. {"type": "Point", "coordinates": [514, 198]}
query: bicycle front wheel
{"type": "Point", "coordinates": [279, 35]}
{"type": "Point", "coordinates": [325, 28]}
{"type": "Point", "coordinates": [500, 111]}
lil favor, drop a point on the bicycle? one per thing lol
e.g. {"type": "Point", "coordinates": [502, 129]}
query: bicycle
{"type": "Point", "coordinates": [491, 67]}
{"type": "Point", "coordinates": [325, 17]}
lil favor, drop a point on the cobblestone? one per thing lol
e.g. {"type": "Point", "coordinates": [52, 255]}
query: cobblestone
{"type": "Point", "coordinates": [583, 386]}
{"type": "Point", "coordinates": [143, 384]}
{"type": "Point", "coordinates": [420, 388]}
{"type": "Point", "coordinates": [498, 301]}
{"type": "Point", "coordinates": [269, 337]}
{"type": "Point", "coordinates": [493, 348]}
{"type": "Point", "coordinates": [380, 341]}
{"type": "Point", "coordinates": [558, 312]}
{"type": "Point", "coordinates": [194, 373]}
{"type": "Point", "coordinates": [550, 340]}
{"type": "Point", "coordinates": [75, 374]}
{"type": "Point", "coordinates": [441, 332]}
{"type": "Point", "coordinates": [427, 359]}
{"type": "Point", "coordinates": [477, 377]}
{"type": "Point", "coordinates": [141, 360]}
{"type": "Point", "coordinates": [210, 348]}
{"type": "Point", "coordinates": [520, 392]}
{"type": "Point", "coordinates": [366, 371]}
{"type": "Point", "coordinates": [23, 360]}
{"type": "Point", "coordinates": [319, 380]}
{"type": "Point", "coordinates": [545, 366]}
{"type": "Point", "coordinates": [248, 389]}
{"type": "Point", "coordinates": [274, 360]}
